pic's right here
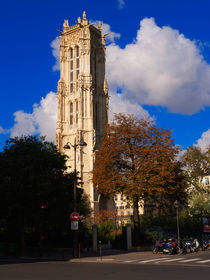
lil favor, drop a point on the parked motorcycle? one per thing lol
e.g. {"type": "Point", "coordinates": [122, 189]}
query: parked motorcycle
{"type": "Point", "coordinates": [158, 247]}
{"type": "Point", "coordinates": [195, 246]}
{"type": "Point", "coordinates": [166, 247]}
{"type": "Point", "coordinates": [186, 246]}
{"type": "Point", "coordinates": [205, 245]}
{"type": "Point", "coordinates": [170, 247]}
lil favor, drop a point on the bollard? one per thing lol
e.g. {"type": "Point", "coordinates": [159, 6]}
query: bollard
{"type": "Point", "coordinates": [95, 238]}
{"type": "Point", "coordinates": [100, 250]}
{"type": "Point", "coordinates": [79, 251]}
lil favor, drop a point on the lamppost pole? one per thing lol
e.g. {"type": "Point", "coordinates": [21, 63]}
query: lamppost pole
{"type": "Point", "coordinates": [75, 237]}
{"type": "Point", "coordinates": [75, 174]}
{"type": "Point", "coordinates": [68, 146]}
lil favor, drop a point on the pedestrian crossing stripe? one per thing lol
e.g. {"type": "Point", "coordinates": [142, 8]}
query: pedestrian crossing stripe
{"type": "Point", "coordinates": [170, 260]}
{"type": "Point", "coordinates": [130, 261]}
{"type": "Point", "coordinates": [153, 260]}
{"type": "Point", "coordinates": [203, 261]}
{"type": "Point", "coordinates": [166, 260]}
{"type": "Point", "coordinates": [190, 260]}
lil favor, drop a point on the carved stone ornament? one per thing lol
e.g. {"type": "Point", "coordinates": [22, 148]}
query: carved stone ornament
{"type": "Point", "coordinates": [85, 52]}
{"type": "Point", "coordinates": [63, 58]}
{"type": "Point", "coordinates": [58, 125]}
{"type": "Point", "coordinates": [61, 87]}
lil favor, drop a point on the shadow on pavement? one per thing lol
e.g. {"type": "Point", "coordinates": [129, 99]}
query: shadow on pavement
{"type": "Point", "coordinates": [63, 255]}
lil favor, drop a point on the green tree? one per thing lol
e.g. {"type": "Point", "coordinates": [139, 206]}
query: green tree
{"type": "Point", "coordinates": [197, 166]}
{"type": "Point", "coordinates": [36, 192]}
{"type": "Point", "coordinates": [138, 159]}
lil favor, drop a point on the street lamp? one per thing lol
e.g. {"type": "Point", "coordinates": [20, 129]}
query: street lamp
{"type": "Point", "coordinates": [68, 147]}
{"type": "Point", "coordinates": [176, 205]}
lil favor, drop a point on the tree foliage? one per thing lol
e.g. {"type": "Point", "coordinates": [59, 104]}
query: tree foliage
{"type": "Point", "coordinates": [138, 159]}
{"type": "Point", "coordinates": [197, 166]}
{"type": "Point", "coordinates": [36, 192]}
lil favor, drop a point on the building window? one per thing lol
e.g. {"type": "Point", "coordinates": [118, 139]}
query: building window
{"type": "Point", "coordinates": [71, 115]}
{"type": "Point", "coordinates": [77, 113]}
{"type": "Point", "coordinates": [77, 62]}
{"type": "Point", "coordinates": [207, 181]}
{"type": "Point", "coordinates": [71, 71]}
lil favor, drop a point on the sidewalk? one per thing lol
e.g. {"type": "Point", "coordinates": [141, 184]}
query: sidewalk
{"type": "Point", "coordinates": [65, 254]}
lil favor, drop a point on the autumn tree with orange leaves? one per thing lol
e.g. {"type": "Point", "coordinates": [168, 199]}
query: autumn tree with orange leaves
{"type": "Point", "coordinates": [138, 159]}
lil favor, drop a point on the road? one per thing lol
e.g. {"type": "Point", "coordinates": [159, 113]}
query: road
{"type": "Point", "coordinates": [195, 259]}
{"type": "Point", "coordinates": [96, 271]}
{"type": "Point", "coordinates": [117, 267]}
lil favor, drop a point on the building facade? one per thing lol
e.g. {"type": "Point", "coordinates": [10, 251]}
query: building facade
{"type": "Point", "coordinates": [82, 98]}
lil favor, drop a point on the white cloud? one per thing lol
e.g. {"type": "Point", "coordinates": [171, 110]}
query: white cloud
{"type": "Point", "coordinates": [3, 130]}
{"type": "Point", "coordinates": [55, 45]}
{"type": "Point", "coordinates": [112, 36]}
{"type": "Point", "coordinates": [204, 141]}
{"type": "Point", "coordinates": [121, 4]}
{"type": "Point", "coordinates": [106, 29]}
{"type": "Point", "coordinates": [24, 124]}
{"type": "Point", "coordinates": [41, 121]}
{"type": "Point", "coordinates": [45, 115]}
{"type": "Point", "coordinates": [117, 104]}
{"type": "Point", "coordinates": [161, 68]}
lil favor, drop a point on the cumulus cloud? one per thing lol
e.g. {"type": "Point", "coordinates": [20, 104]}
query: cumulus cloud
{"type": "Point", "coordinates": [45, 115]}
{"type": "Point", "coordinates": [117, 104]}
{"type": "Point", "coordinates": [204, 141]}
{"type": "Point", "coordinates": [106, 29]}
{"type": "Point", "coordinates": [41, 121]}
{"type": "Point", "coordinates": [24, 124]}
{"type": "Point", "coordinates": [55, 45]}
{"type": "Point", "coordinates": [121, 4]}
{"type": "Point", "coordinates": [161, 68]}
{"type": "Point", "coordinates": [3, 130]}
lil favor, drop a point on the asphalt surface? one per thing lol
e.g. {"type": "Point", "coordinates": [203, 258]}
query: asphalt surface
{"type": "Point", "coordinates": [67, 270]}
{"type": "Point", "coordinates": [133, 265]}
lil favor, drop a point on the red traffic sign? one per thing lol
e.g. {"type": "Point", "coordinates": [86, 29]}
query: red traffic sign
{"type": "Point", "coordinates": [74, 217]}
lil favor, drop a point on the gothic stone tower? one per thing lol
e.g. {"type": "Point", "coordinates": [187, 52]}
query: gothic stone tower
{"type": "Point", "coordinates": [82, 97]}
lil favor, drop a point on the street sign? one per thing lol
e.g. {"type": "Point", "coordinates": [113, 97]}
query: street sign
{"type": "Point", "coordinates": [74, 217]}
{"type": "Point", "coordinates": [74, 225]}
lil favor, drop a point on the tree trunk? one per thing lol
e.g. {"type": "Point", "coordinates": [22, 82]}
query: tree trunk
{"type": "Point", "coordinates": [136, 235]}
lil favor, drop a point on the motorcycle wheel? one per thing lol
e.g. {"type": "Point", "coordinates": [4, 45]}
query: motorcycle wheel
{"type": "Point", "coordinates": [188, 250]}
{"type": "Point", "coordinates": [170, 252]}
{"type": "Point", "coordinates": [154, 251]}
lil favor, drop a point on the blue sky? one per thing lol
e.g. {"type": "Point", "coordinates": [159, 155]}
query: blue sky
{"type": "Point", "coordinates": [158, 59]}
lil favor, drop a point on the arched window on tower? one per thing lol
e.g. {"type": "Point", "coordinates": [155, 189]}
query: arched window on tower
{"type": "Point", "coordinates": [71, 115]}
{"type": "Point", "coordinates": [77, 113]}
{"type": "Point", "coordinates": [71, 71]}
{"type": "Point", "coordinates": [96, 115]}
{"type": "Point", "coordinates": [77, 62]}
